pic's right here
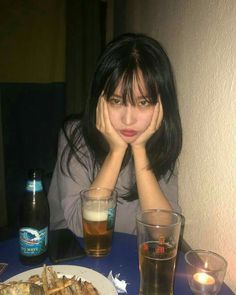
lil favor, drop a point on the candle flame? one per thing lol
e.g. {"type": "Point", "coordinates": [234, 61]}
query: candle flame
{"type": "Point", "coordinates": [203, 278]}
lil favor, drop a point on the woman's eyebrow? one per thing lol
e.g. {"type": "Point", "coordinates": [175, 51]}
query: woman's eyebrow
{"type": "Point", "coordinates": [116, 95]}
{"type": "Point", "coordinates": [144, 96]}
{"type": "Point", "coordinates": [138, 97]}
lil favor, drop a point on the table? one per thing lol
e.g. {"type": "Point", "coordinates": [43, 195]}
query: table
{"type": "Point", "coordinates": [123, 259]}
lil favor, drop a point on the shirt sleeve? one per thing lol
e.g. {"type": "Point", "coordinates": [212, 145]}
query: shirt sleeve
{"type": "Point", "coordinates": [64, 192]}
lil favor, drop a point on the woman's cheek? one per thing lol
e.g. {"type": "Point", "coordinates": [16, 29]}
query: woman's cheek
{"type": "Point", "coordinates": [146, 119]}
{"type": "Point", "coordinates": [112, 116]}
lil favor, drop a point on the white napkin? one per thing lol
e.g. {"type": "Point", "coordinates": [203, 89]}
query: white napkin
{"type": "Point", "coordinates": [120, 285]}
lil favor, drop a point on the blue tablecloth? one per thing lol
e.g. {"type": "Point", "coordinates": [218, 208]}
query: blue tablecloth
{"type": "Point", "coordinates": [123, 259]}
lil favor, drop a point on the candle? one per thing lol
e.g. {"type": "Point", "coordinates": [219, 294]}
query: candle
{"type": "Point", "coordinates": [206, 271]}
{"type": "Point", "coordinates": [203, 283]}
{"type": "Point", "coordinates": [203, 278]}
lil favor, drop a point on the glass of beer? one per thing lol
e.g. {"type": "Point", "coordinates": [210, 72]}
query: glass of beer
{"type": "Point", "coordinates": [98, 218]}
{"type": "Point", "coordinates": [158, 234]}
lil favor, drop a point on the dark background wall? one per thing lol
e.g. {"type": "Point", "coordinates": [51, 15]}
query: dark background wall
{"type": "Point", "coordinates": [32, 96]}
{"type": "Point", "coordinates": [31, 118]}
{"type": "Point", "coordinates": [34, 86]}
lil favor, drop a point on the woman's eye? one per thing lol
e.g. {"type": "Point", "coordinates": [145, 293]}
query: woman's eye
{"type": "Point", "coordinates": [144, 103]}
{"type": "Point", "coordinates": [116, 101]}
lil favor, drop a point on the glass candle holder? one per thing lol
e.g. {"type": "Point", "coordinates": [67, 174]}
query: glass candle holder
{"type": "Point", "coordinates": [206, 271]}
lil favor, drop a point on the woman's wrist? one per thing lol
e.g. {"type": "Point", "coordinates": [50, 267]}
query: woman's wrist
{"type": "Point", "coordinates": [139, 151]}
{"type": "Point", "coordinates": [115, 156]}
{"type": "Point", "coordinates": [117, 151]}
{"type": "Point", "coordinates": [141, 161]}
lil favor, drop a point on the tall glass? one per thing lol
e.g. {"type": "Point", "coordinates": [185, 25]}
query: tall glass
{"type": "Point", "coordinates": [158, 234]}
{"type": "Point", "coordinates": [98, 217]}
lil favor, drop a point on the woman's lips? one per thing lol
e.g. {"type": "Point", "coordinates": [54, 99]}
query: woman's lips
{"type": "Point", "coordinates": [128, 132]}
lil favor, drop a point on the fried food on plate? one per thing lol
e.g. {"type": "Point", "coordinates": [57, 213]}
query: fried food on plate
{"type": "Point", "coordinates": [49, 283]}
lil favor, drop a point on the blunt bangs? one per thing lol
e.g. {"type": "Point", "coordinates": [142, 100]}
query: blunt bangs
{"type": "Point", "coordinates": [136, 71]}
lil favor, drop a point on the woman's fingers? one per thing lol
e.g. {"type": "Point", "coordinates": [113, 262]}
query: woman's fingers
{"type": "Point", "coordinates": [99, 114]}
{"type": "Point", "coordinates": [156, 117]}
{"type": "Point", "coordinates": [102, 102]}
{"type": "Point", "coordinates": [160, 115]}
{"type": "Point", "coordinates": [104, 125]}
{"type": "Point", "coordinates": [106, 117]}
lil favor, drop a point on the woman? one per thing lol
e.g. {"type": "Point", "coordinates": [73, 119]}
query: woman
{"type": "Point", "coordinates": [128, 139]}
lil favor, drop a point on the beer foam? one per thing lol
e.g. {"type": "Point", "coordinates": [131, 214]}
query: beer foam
{"type": "Point", "coordinates": [92, 215]}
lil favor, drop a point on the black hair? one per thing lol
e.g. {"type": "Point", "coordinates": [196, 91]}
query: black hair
{"type": "Point", "coordinates": [121, 61]}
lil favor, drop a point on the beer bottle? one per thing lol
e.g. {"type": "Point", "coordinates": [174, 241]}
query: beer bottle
{"type": "Point", "coordinates": [34, 221]}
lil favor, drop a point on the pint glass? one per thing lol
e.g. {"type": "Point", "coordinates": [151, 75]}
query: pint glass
{"type": "Point", "coordinates": [98, 218]}
{"type": "Point", "coordinates": [158, 234]}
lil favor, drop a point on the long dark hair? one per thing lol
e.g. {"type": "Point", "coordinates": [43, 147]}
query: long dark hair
{"type": "Point", "coordinates": [122, 59]}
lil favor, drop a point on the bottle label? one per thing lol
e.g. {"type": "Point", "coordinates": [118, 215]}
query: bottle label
{"type": "Point", "coordinates": [33, 242]}
{"type": "Point", "coordinates": [34, 186]}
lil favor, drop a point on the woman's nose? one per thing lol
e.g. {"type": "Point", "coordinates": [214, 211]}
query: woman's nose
{"type": "Point", "coordinates": [129, 115]}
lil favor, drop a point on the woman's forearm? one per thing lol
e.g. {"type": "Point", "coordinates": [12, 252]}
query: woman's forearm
{"type": "Point", "coordinates": [150, 194]}
{"type": "Point", "coordinates": [109, 172]}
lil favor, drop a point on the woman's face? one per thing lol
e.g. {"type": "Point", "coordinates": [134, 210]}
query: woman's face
{"type": "Point", "coordinates": [130, 121]}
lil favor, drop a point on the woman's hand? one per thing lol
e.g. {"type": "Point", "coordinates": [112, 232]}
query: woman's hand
{"type": "Point", "coordinates": [157, 117]}
{"type": "Point", "coordinates": [104, 125]}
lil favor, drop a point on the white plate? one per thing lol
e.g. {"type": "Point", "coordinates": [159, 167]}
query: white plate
{"type": "Point", "coordinates": [100, 282]}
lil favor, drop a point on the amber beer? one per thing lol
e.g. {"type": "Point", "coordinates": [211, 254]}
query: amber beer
{"type": "Point", "coordinates": [158, 233]}
{"type": "Point", "coordinates": [156, 264]}
{"type": "Point", "coordinates": [98, 217]}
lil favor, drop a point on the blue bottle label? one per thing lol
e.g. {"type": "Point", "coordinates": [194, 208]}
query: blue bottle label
{"type": "Point", "coordinates": [33, 242]}
{"type": "Point", "coordinates": [34, 186]}
{"type": "Point", "coordinates": [111, 218]}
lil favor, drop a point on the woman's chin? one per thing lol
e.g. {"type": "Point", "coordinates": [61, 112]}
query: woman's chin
{"type": "Point", "coordinates": [129, 140]}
